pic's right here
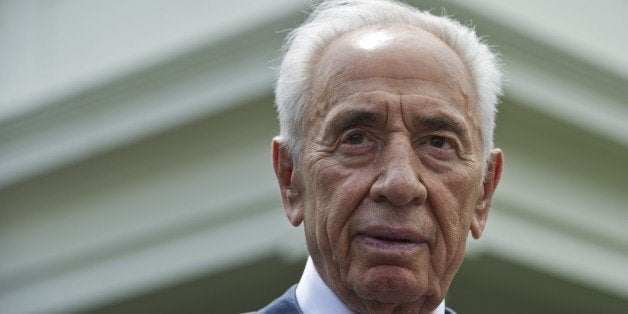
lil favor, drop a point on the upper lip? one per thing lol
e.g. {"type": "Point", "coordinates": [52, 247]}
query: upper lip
{"type": "Point", "coordinates": [393, 234]}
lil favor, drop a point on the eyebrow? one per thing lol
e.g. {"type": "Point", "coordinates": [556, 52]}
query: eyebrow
{"type": "Point", "coordinates": [442, 123]}
{"type": "Point", "coordinates": [351, 118]}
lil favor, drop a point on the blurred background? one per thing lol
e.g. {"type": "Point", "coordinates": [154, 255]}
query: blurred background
{"type": "Point", "coordinates": [135, 173]}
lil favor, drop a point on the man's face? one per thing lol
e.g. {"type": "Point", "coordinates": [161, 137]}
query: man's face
{"type": "Point", "coordinates": [390, 180]}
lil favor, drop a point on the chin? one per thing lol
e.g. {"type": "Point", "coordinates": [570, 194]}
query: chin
{"type": "Point", "coordinates": [390, 284]}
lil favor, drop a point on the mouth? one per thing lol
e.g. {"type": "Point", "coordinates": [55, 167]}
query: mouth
{"type": "Point", "coordinates": [390, 239]}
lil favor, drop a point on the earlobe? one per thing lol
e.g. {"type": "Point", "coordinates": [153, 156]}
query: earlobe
{"type": "Point", "coordinates": [492, 177]}
{"type": "Point", "coordinates": [292, 206]}
{"type": "Point", "coordinates": [288, 181]}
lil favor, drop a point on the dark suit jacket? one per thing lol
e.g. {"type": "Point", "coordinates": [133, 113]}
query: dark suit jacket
{"type": "Point", "coordinates": [287, 303]}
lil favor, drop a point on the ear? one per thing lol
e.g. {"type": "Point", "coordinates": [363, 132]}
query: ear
{"type": "Point", "coordinates": [491, 179]}
{"type": "Point", "coordinates": [289, 183]}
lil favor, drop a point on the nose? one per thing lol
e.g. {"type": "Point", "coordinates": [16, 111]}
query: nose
{"type": "Point", "coordinates": [399, 182]}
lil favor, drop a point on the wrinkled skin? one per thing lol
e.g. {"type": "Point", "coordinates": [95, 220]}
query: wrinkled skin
{"type": "Point", "coordinates": [390, 181]}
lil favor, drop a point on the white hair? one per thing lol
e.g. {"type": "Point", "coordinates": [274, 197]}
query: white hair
{"type": "Point", "coordinates": [331, 19]}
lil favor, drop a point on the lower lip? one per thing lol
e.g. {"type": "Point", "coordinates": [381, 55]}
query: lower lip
{"type": "Point", "coordinates": [388, 245]}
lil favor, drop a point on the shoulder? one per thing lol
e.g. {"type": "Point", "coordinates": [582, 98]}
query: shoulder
{"type": "Point", "coordinates": [287, 303]}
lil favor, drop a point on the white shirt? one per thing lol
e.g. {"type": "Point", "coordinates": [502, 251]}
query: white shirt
{"type": "Point", "coordinates": [314, 296]}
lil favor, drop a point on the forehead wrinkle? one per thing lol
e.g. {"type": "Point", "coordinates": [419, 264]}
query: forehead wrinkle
{"type": "Point", "coordinates": [410, 86]}
{"type": "Point", "coordinates": [333, 84]}
{"type": "Point", "coordinates": [435, 101]}
{"type": "Point", "coordinates": [322, 92]}
{"type": "Point", "coordinates": [373, 98]}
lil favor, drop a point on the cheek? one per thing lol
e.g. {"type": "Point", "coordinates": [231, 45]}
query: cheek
{"type": "Point", "coordinates": [452, 197]}
{"type": "Point", "coordinates": [339, 191]}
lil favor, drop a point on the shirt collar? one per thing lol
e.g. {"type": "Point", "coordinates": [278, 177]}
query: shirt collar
{"type": "Point", "coordinates": [314, 296]}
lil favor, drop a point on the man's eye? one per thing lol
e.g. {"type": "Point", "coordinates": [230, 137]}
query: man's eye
{"type": "Point", "coordinates": [440, 142]}
{"type": "Point", "coordinates": [356, 139]}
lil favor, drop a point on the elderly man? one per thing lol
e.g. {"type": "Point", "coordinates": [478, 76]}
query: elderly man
{"type": "Point", "coordinates": [385, 154]}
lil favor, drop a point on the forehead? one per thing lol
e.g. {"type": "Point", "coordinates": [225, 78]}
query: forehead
{"type": "Point", "coordinates": [398, 59]}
